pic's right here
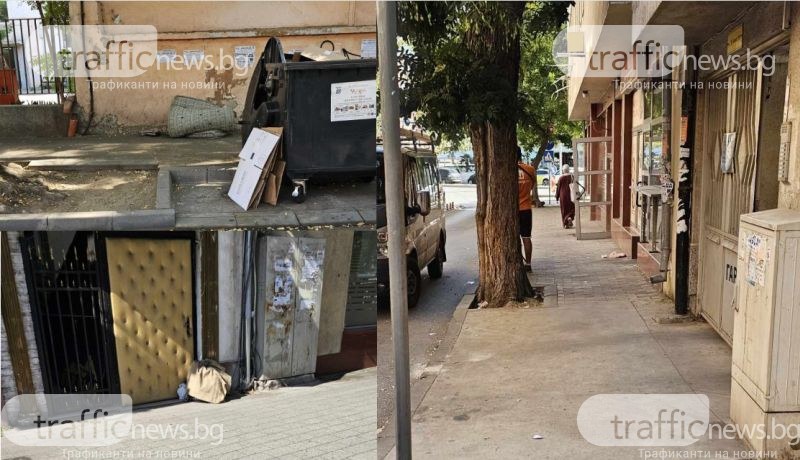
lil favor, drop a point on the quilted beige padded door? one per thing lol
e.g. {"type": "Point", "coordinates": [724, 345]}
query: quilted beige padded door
{"type": "Point", "coordinates": [151, 303]}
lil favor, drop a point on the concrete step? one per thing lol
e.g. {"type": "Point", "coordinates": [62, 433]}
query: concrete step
{"type": "Point", "coordinates": [30, 121]}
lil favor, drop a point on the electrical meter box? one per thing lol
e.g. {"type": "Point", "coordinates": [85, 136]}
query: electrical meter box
{"type": "Point", "coordinates": [766, 328]}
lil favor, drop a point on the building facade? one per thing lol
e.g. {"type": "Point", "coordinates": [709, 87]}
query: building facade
{"type": "Point", "coordinates": [111, 312]}
{"type": "Point", "coordinates": [214, 32]}
{"type": "Point", "coordinates": [690, 149]}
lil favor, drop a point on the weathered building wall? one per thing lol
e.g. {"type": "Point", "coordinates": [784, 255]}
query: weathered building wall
{"type": "Point", "coordinates": [128, 104]}
{"type": "Point", "coordinates": [8, 386]}
{"type": "Point", "coordinates": [789, 191]}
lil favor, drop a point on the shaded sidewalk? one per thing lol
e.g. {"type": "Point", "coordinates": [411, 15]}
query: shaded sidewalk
{"type": "Point", "coordinates": [334, 420]}
{"type": "Point", "coordinates": [516, 373]}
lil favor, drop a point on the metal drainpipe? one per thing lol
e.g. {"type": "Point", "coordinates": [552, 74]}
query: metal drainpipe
{"type": "Point", "coordinates": [395, 219]}
{"type": "Point", "coordinates": [683, 238]}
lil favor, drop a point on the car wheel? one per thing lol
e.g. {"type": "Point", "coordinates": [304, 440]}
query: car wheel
{"type": "Point", "coordinates": [436, 267]}
{"type": "Point", "coordinates": [414, 281]}
{"type": "Point", "coordinates": [472, 180]}
{"type": "Point", "coordinates": [546, 182]}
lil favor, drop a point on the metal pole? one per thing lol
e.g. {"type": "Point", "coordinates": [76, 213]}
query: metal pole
{"type": "Point", "coordinates": [683, 192]}
{"type": "Point", "coordinates": [395, 220]}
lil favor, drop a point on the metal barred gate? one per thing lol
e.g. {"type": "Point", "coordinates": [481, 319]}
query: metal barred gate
{"type": "Point", "coordinates": [732, 106]}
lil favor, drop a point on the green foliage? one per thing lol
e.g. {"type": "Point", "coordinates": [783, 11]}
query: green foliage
{"type": "Point", "coordinates": [450, 74]}
{"type": "Point", "coordinates": [3, 10]}
{"type": "Point", "coordinates": [543, 90]}
{"type": "Point", "coordinates": [55, 12]}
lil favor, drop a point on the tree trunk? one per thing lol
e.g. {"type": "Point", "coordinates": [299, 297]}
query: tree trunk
{"type": "Point", "coordinates": [502, 276]}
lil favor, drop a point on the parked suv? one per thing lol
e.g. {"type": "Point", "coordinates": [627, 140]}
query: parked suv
{"type": "Point", "coordinates": [425, 233]}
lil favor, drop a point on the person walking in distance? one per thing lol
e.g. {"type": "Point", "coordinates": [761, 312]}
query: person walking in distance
{"type": "Point", "coordinates": [564, 197]}
{"type": "Point", "coordinates": [527, 180]}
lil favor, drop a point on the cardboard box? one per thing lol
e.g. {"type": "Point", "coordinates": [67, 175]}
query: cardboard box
{"type": "Point", "coordinates": [260, 145]}
{"type": "Point", "coordinates": [257, 159]}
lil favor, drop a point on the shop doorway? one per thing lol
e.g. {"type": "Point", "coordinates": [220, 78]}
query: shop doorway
{"type": "Point", "coordinates": [151, 296]}
{"type": "Point", "coordinates": [111, 314]}
{"type": "Point", "coordinates": [744, 112]}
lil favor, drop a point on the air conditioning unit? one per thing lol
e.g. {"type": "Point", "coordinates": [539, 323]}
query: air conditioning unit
{"type": "Point", "coordinates": [765, 387]}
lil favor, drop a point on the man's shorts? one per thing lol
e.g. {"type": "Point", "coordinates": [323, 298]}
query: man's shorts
{"type": "Point", "coordinates": [525, 223]}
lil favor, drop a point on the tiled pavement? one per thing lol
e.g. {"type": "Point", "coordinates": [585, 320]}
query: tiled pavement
{"type": "Point", "coordinates": [518, 372]}
{"type": "Point", "coordinates": [331, 420]}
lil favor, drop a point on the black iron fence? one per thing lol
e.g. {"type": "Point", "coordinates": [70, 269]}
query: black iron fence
{"type": "Point", "coordinates": [28, 56]}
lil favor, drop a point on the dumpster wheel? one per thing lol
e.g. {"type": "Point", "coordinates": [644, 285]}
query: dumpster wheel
{"type": "Point", "coordinates": [299, 192]}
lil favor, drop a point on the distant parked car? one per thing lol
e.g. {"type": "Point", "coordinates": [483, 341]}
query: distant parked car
{"type": "Point", "coordinates": [450, 176]}
{"type": "Point", "coordinates": [543, 176]}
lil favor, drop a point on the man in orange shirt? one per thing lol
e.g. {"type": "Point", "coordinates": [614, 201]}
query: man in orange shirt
{"type": "Point", "coordinates": [526, 177]}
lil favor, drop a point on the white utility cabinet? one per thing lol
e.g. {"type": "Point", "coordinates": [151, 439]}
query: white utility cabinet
{"type": "Point", "coordinates": [766, 329]}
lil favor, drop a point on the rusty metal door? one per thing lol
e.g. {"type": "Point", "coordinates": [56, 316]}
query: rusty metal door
{"type": "Point", "coordinates": [729, 162]}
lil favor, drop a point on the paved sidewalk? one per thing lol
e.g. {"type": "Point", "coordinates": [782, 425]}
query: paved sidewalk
{"type": "Point", "coordinates": [331, 420]}
{"type": "Point", "coordinates": [516, 373]}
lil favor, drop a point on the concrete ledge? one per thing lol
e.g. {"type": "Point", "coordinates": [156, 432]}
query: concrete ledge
{"type": "Point", "coordinates": [164, 189]}
{"type": "Point", "coordinates": [34, 121]}
{"type": "Point", "coordinates": [312, 217]}
{"type": "Point", "coordinates": [80, 164]}
{"type": "Point", "coordinates": [160, 219]}
{"type": "Point", "coordinates": [23, 222]}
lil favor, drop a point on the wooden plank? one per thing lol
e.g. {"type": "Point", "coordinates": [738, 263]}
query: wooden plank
{"type": "Point", "coordinates": [209, 294]}
{"type": "Point", "coordinates": [310, 260]}
{"type": "Point", "coordinates": [12, 321]}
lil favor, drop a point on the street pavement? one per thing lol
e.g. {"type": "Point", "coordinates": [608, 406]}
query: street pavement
{"type": "Point", "coordinates": [515, 378]}
{"type": "Point", "coordinates": [428, 320]}
{"type": "Point", "coordinates": [331, 420]}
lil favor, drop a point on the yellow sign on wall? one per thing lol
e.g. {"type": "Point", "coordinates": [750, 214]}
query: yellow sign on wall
{"type": "Point", "coordinates": [734, 40]}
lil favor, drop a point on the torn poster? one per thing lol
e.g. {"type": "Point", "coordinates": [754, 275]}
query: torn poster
{"type": "Point", "coordinates": [284, 286]}
{"type": "Point", "coordinates": [244, 55]}
{"type": "Point", "coordinates": [757, 259]}
{"type": "Point", "coordinates": [282, 264]}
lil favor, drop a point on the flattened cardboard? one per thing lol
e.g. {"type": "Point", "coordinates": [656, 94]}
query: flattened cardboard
{"type": "Point", "coordinates": [257, 158]}
{"type": "Point", "coordinates": [260, 145]}
{"type": "Point", "coordinates": [245, 183]}
{"type": "Point", "coordinates": [274, 183]}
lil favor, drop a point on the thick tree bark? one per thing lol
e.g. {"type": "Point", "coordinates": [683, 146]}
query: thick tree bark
{"type": "Point", "coordinates": [502, 276]}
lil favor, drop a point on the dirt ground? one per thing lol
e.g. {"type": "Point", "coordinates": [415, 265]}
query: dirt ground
{"type": "Point", "coordinates": [30, 191]}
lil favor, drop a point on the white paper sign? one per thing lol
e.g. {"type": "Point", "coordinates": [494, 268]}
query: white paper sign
{"type": "Point", "coordinates": [758, 256]}
{"type": "Point", "coordinates": [244, 55]}
{"type": "Point", "coordinates": [167, 56]}
{"type": "Point", "coordinates": [368, 49]}
{"type": "Point", "coordinates": [193, 57]}
{"type": "Point", "coordinates": [356, 100]}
